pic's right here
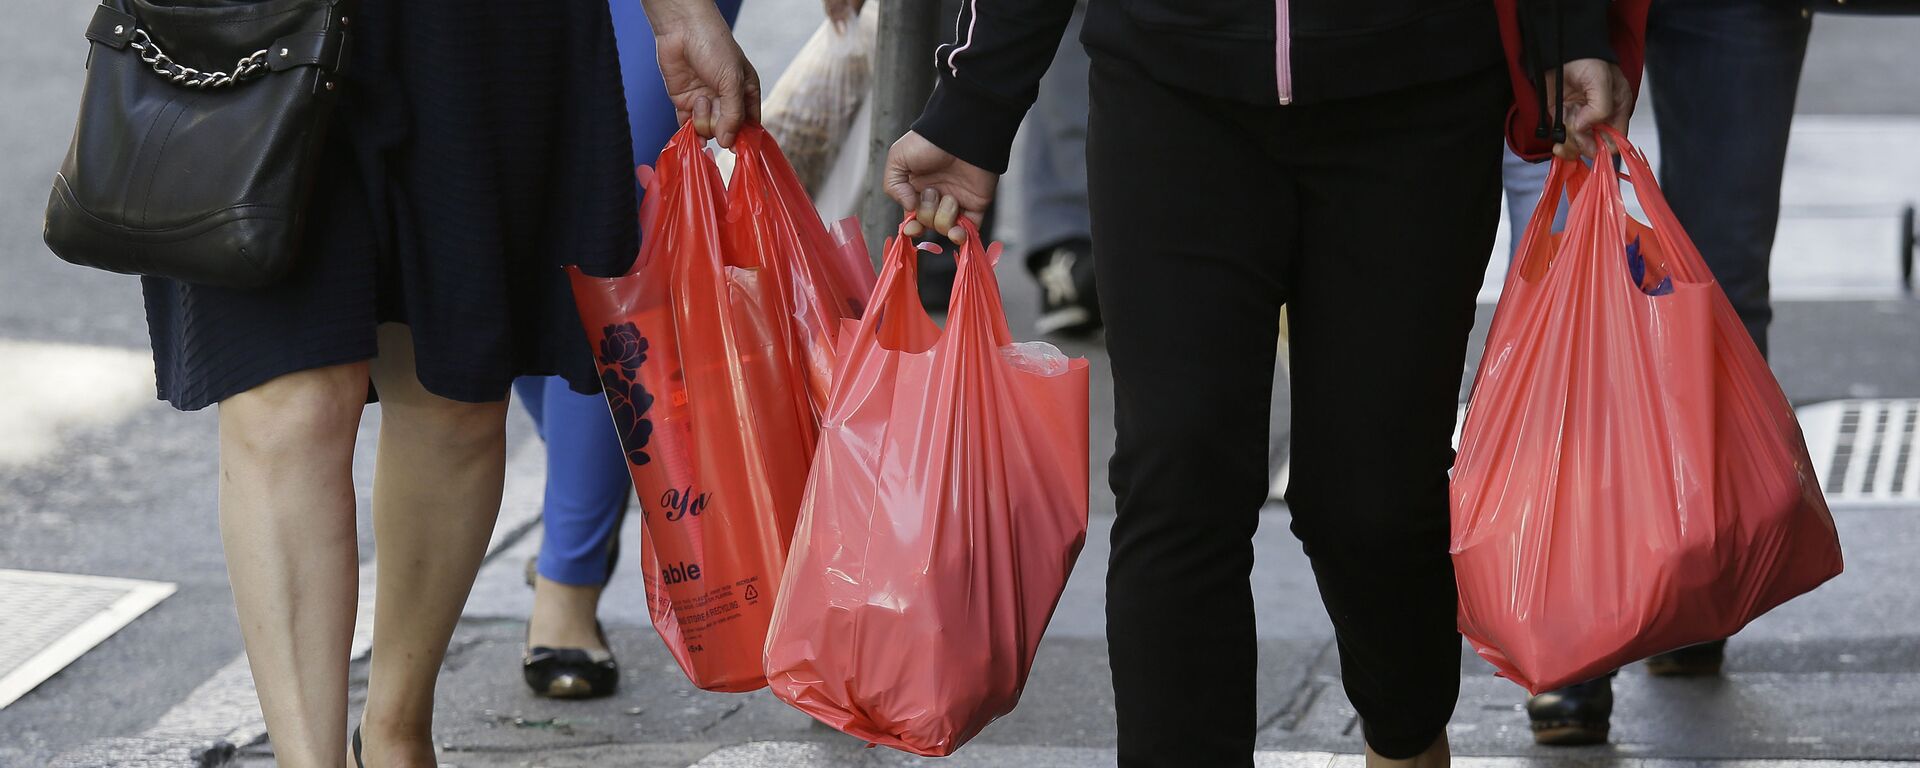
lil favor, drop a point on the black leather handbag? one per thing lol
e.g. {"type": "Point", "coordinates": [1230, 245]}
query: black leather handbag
{"type": "Point", "coordinates": [198, 139]}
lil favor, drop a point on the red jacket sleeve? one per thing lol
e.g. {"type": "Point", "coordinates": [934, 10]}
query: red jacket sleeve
{"type": "Point", "coordinates": [1535, 32]}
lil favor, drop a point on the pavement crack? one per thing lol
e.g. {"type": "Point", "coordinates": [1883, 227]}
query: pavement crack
{"type": "Point", "coordinates": [531, 748]}
{"type": "Point", "coordinates": [1305, 694]}
{"type": "Point", "coordinates": [731, 711]}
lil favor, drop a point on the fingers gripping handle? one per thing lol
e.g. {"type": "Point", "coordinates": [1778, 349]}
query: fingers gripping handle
{"type": "Point", "coordinates": [895, 316]}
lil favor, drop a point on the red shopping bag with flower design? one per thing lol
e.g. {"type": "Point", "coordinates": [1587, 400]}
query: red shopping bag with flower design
{"type": "Point", "coordinates": [1631, 479]}
{"type": "Point", "coordinates": [947, 504]}
{"type": "Point", "coordinates": [697, 368]}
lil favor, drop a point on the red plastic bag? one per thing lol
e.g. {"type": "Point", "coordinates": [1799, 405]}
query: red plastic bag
{"type": "Point", "coordinates": [849, 268]}
{"type": "Point", "coordinates": [696, 364]}
{"type": "Point", "coordinates": [770, 216]}
{"type": "Point", "coordinates": [1631, 480]}
{"type": "Point", "coordinates": [947, 504]}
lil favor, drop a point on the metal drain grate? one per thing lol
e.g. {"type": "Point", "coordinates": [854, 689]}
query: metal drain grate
{"type": "Point", "coordinates": [47, 620]}
{"type": "Point", "coordinates": [1864, 450]}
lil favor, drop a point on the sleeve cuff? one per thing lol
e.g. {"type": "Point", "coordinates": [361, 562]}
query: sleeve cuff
{"type": "Point", "coordinates": [973, 127]}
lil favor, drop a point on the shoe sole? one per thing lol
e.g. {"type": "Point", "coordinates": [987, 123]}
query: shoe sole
{"type": "Point", "coordinates": [570, 687]}
{"type": "Point", "coordinates": [1569, 734]}
{"type": "Point", "coordinates": [1667, 668]}
{"type": "Point", "coordinates": [1073, 320]}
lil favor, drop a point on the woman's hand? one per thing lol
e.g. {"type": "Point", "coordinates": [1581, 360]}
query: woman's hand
{"type": "Point", "coordinates": [926, 179]}
{"type": "Point", "coordinates": [1596, 92]}
{"type": "Point", "coordinates": [707, 76]}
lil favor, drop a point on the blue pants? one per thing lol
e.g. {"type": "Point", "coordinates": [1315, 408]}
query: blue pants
{"type": "Point", "coordinates": [587, 480]}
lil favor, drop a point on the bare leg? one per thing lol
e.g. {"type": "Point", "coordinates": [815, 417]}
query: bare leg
{"type": "Point", "coordinates": [436, 492]}
{"type": "Point", "coordinates": [286, 520]}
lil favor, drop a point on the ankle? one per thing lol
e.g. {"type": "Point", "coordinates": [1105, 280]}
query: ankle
{"type": "Point", "coordinates": [564, 615]}
{"type": "Point", "coordinates": [393, 744]}
{"type": "Point", "coordinates": [1438, 755]}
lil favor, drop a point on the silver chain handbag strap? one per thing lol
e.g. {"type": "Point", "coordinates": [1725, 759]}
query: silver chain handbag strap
{"type": "Point", "coordinates": [246, 69]}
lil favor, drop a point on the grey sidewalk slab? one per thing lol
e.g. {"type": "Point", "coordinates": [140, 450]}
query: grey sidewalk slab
{"type": "Point", "coordinates": [1835, 674]}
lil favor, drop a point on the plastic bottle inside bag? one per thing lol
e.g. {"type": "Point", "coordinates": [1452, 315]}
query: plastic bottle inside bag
{"type": "Point", "coordinates": [1036, 357]}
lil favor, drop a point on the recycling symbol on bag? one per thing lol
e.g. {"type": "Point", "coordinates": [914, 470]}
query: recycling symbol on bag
{"type": "Point", "coordinates": [753, 593]}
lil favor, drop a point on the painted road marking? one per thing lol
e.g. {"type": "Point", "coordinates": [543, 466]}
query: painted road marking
{"type": "Point", "coordinates": [47, 620]}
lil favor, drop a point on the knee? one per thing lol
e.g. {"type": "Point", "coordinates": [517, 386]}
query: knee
{"type": "Point", "coordinates": [1358, 511]}
{"type": "Point", "coordinates": [1376, 464]}
{"type": "Point", "coordinates": [450, 425]}
{"type": "Point", "coordinates": [1192, 447]}
{"type": "Point", "coordinates": [297, 414]}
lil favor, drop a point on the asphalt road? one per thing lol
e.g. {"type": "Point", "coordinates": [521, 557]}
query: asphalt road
{"type": "Point", "coordinates": [135, 496]}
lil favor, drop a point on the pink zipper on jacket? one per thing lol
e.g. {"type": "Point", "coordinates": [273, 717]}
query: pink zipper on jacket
{"type": "Point", "coordinates": [1283, 50]}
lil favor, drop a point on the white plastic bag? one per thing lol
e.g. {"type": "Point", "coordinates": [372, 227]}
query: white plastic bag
{"type": "Point", "coordinates": [812, 107]}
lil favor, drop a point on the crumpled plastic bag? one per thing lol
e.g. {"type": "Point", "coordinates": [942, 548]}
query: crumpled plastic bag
{"type": "Point", "coordinates": [811, 108]}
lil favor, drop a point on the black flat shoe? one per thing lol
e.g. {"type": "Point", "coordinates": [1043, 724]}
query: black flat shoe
{"type": "Point", "coordinates": [1703, 660]}
{"type": "Point", "coordinates": [571, 673]}
{"type": "Point", "coordinates": [1574, 716]}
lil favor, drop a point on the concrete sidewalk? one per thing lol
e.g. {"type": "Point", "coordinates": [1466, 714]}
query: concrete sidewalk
{"type": "Point", "coordinates": [1835, 675]}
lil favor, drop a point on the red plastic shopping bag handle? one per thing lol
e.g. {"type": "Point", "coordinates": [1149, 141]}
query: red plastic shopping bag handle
{"type": "Point", "coordinates": [897, 321]}
{"type": "Point", "coordinates": [1680, 257]}
{"type": "Point", "coordinates": [976, 292]}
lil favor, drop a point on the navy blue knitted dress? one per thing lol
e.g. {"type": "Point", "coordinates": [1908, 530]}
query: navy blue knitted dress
{"type": "Point", "coordinates": [481, 145]}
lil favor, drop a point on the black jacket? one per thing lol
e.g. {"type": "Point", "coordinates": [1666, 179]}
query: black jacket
{"type": "Point", "coordinates": [1320, 50]}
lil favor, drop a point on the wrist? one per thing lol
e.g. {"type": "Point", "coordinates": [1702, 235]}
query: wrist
{"type": "Point", "coordinates": [667, 16]}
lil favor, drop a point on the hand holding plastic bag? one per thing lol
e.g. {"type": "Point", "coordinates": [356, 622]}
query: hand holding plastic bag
{"type": "Point", "coordinates": [947, 504]}
{"type": "Point", "coordinates": [1630, 480]}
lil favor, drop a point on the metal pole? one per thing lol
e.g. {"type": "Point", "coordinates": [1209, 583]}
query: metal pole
{"type": "Point", "coordinates": [1909, 232]}
{"type": "Point", "coordinates": [903, 78]}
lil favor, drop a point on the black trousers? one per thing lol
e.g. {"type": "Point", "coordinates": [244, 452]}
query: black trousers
{"type": "Point", "coordinates": [1372, 219]}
